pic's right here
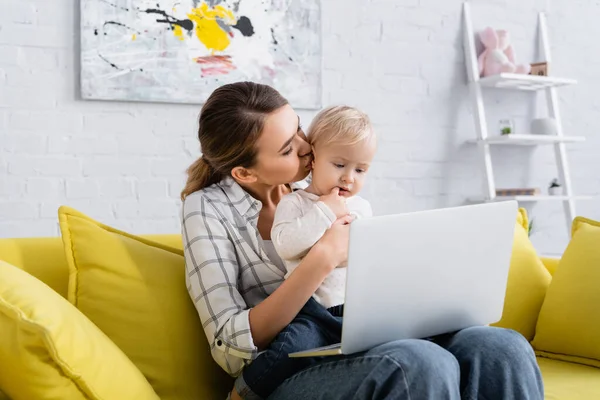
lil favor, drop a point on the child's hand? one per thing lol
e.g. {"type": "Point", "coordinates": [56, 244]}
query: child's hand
{"type": "Point", "coordinates": [336, 202]}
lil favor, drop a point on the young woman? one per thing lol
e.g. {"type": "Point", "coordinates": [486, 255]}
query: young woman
{"type": "Point", "coordinates": [253, 153]}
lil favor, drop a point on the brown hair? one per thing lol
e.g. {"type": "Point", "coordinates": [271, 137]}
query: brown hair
{"type": "Point", "coordinates": [230, 123]}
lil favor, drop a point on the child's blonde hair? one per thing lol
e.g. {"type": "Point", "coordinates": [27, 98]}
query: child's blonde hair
{"type": "Point", "coordinates": [340, 125]}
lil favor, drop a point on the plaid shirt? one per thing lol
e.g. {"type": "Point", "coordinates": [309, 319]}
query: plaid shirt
{"type": "Point", "coordinates": [227, 271]}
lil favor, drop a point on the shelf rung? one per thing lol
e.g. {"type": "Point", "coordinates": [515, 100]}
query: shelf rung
{"type": "Point", "coordinates": [537, 198]}
{"type": "Point", "coordinates": [527, 139]}
{"type": "Point", "coordinates": [523, 82]}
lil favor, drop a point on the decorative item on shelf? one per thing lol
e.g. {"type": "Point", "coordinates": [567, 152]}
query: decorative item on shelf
{"type": "Point", "coordinates": [544, 126]}
{"type": "Point", "coordinates": [518, 192]}
{"type": "Point", "coordinates": [530, 227]}
{"type": "Point", "coordinates": [555, 188]}
{"type": "Point", "coordinates": [499, 55]}
{"type": "Point", "coordinates": [539, 69]}
{"type": "Point", "coordinates": [506, 126]}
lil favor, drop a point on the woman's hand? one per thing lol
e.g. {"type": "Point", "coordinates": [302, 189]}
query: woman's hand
{"type": "Point", "coordinates": [235, 395]}
{"type": "Point", "coordinates": [345, 220]}
{"type": "Point", "coordinates": [333, 245]}
{"type": "Point", "coordinates": [269, 317]}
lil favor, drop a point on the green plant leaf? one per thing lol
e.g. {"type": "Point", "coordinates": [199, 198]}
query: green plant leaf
{"type": "Point", "coordinates": [530, 228]}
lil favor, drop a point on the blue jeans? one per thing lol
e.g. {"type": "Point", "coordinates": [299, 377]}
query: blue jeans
{"type": "Point", "coordinates": [314, 326]}
{"type": "Point", "coordinates": [474, 363]}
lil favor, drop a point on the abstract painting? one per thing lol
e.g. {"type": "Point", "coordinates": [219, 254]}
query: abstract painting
{"type": "Point", "coordinates": [179, 51]}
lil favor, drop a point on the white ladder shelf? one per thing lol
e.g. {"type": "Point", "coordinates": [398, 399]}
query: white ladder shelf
{"type": "Point", "coordinates": [525, 83]}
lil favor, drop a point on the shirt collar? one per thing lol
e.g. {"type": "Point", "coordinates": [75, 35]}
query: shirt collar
{"type": "Point", "coordinates": [310, 196]}
{"type": "Point", "coordinates": [241, 200]}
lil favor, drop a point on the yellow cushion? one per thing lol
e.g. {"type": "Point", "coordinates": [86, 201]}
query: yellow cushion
{"type": "Point", "coordinates": [170, 240]}
{"type": "Point", "coordinates": [134, 290]}
{"type": "Point", "coordinates": [569, 323]}
{"type": "Point", "coordinates": [551, 263]}
{"type": "Point", "coordinates": [528, 281]}
{"type": "Point", "coordinates": [48, 349]}
{"type": "Point", "coordinates": [568, 381]}
{"type": "Point", "coordinates": [42, 257]}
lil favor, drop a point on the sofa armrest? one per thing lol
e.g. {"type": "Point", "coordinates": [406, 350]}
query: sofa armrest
{"type": "Point", "coordinates": [550, 263]}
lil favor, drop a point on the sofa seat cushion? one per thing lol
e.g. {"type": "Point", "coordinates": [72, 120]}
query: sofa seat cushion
{"type": "Point", "coordinates": [569, 323]}
{"type": "Point", "coordinates": [528, 281]}
{"type": "Point", "coordinates": [50, 350]}
{"type": "Point", "coordinates": [569, 381]}
{"type": "Point", "coordinates": [134, 290]}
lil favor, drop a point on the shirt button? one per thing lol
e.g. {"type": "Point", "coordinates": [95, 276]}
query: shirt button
{"type": "Point", "coordinates": [219, 343]}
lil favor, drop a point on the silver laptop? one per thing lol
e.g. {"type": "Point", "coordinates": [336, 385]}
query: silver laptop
{"type": "Point", "coordinates": [425, 273]}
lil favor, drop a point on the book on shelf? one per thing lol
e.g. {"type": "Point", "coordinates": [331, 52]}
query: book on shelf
{"type": "Point", "coordinates": [518, 192]}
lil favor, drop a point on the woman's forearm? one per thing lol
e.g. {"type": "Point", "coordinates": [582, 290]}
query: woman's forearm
{"type": "Point", "coordinates": [279, 309]}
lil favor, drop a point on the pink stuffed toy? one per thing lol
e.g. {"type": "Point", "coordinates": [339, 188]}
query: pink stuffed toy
{"type": "Point", "coordinates": [498, 55]}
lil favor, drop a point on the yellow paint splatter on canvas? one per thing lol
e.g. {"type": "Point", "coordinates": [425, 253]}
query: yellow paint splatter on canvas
{"type": "Point", "coordinates": [208, 30]}
{"type": "Point", "coordinates": [178, 32]}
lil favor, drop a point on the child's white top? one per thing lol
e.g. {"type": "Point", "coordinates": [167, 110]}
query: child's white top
{"type": "Point", "coordinates": [300, 221]}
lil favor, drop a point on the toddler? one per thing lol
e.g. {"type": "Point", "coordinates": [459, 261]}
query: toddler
{"type": "Point", "coordinates": [343, 144]}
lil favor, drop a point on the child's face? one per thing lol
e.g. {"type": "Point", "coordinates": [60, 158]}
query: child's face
{"type": "Point", "coordinates": [342, 166]}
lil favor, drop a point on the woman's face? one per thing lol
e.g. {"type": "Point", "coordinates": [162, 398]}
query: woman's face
{"type": "Point", "coordinates": [283, 156]}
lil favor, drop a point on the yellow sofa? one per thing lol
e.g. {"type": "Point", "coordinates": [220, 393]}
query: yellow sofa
{"type": "Point", "coordinates": [44, 258]}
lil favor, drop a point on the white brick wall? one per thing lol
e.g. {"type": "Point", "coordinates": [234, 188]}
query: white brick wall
{"type": "Point", "coordinates": [401, 61]}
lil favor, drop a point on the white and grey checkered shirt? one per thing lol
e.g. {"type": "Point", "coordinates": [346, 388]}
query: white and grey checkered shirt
{"type": "Point", "coordinates": [227, 271]}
